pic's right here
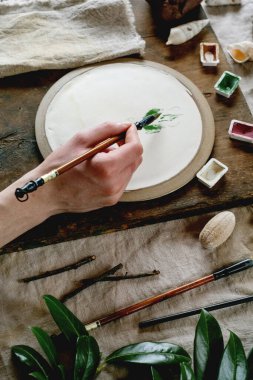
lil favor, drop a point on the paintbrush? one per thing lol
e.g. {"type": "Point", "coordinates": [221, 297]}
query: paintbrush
{"type": "Point", "coordinates": [22, 193]}
{"type": "Point", "coordinates": [188, 313]}
{"type": "Point", "coordinates": [224, 272]}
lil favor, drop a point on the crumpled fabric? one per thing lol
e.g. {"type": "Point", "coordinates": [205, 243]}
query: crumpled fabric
{"type": "Point", "coordinates": [60, 34]}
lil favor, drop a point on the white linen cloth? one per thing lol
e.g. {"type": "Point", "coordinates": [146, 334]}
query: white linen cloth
{"type": "Point", "coordinates": [59, 34]}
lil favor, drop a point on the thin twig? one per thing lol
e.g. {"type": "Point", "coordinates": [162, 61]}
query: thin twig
{"type": "Point", "coordinates": [76, 265]}
{"type": "Point", "coordinates": [131, 276]}
{"type": "Point", "coordinates": [88, 282]}
{"type": "Point", "coordinates": [106, 276]}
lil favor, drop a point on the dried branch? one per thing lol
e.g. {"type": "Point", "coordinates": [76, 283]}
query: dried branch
{"type": "Point", "coordinates": [90, 281]}
{"type": "Point", "coordinates": [131, 276]}
{"type": "Point", "coordinates": [106, 276]}
{"type": "Point", "coordinates": [53, 272]}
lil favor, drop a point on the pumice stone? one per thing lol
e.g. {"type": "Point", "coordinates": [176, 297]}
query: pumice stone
{"type": "Point", "coordinates": [217, 230]}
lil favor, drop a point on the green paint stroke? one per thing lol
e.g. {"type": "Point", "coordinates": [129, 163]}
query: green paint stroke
{"type": "Point", "coordinates": [153, 111]}
{"type": "Point", "coordinates": [155, 128]}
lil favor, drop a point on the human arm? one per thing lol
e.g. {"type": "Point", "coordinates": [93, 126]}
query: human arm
{"type": "Point", "coordinates": [95, 183]}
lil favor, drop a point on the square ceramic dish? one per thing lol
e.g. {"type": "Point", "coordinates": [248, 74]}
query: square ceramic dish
{"type": "Point", "coordinates": [209, 53]}
{"type": "Point", "coordinates": [239, 130]}
{"type": "Point", "coordinates": [211, 172]}
{"type": "Point", "coordinates": [227, 84]}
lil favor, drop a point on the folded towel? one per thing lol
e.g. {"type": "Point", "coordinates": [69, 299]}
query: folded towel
{"type": "Point", "coordinates": [50, 34]}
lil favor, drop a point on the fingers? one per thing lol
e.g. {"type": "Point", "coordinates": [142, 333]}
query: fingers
{"type": "Point", "coordinates": [114, 188]}
{"type": "Point", "coordinates": [127, 154]}
{"type": "Point", "coordinates": [101, 132]}
{"type": "Point", "coordinates": [87, 139]}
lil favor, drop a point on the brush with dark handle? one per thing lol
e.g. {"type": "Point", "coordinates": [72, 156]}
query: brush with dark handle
{"type": "Point", "coordinates": [188, 313]}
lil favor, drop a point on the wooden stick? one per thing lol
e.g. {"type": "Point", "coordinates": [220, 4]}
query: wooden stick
{"type": "Point", "coordinates": [131, 276]}
{"type": "Point", "coordinates": [53, 272]}
{"type": "Point", "coordinates": [106, 277]}
{"type": "Point", "coordinates": [242, 265]}
{"type": "Point", "coordinates": [88, 282]}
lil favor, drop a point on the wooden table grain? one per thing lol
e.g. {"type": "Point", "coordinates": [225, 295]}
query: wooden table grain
{"type": "Point", "coordinates": [19, 99]}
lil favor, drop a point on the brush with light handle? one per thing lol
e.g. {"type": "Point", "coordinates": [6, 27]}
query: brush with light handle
{"type": "Point", "coordinates": [224, 272]}
{"type": "Point", "coordinates": [21, 193]}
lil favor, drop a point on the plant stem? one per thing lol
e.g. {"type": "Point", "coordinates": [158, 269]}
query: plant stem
{"type": "Point", "coordinates": [53, 272]}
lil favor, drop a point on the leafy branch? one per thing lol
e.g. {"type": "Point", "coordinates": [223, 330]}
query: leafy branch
{"type": "Point", "coordinates": [77, 356]}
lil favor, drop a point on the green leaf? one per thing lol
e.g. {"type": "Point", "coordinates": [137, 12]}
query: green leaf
{"type": "Point", "coordinates": [153, 111]}
{"type": "Point", "coordinates": [250, 365]}
{"type": "Point", "coordinates": [233, 365]}
{"type": "Point", "coordinates": [47, 345]}
{"type": "Point", "coordinates": [208, 347]}
{"type": "Point", "coordinates": [155, 374]}
{"type": "Point", "coordinates": [87, 358]}
{"type": "Point", "coordinates": [186, 373]}
{"type": "Point", "coordinates": [67, 322]}
{"type": "Point", "coordinates": [38, 375]}
{"type": "Point", "coordinates": [31, 358]}
{"type": "Point", "coordinates": [151, 353]}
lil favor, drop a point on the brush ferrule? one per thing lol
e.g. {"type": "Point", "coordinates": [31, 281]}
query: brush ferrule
{"type": "Point", "coordinates": [92, 325]}
{"type": "Point", "coordinates": [147, 120]}
{"type": "Point", "coordinates": [49, 176]}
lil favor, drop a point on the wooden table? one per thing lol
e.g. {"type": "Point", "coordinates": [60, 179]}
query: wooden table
{"type": "Point", "coordinates": [19, 99]}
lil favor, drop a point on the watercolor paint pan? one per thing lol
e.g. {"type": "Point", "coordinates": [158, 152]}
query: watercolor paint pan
{"type": "Point", "coordinates": [211, 172]}
{"type": "Point", "coordinates": [209, 53]}
{"type": "Point", "coordinates": [227, 84]}
{"type": "Point", "coordinates": [239, 130]}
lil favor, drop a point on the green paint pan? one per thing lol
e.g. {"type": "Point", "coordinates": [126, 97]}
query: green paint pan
{"type": "Point", "coordinates": [227, 84]}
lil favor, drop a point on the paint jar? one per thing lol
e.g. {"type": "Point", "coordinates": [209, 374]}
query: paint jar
{"type": "Point", "coordinates": [211, 172]}
{"type": "Point", "coordinates": [209, 53]}
{"type": "Point", "coordinates": [227, 84]}
{"type": "Point", "coordinates": [239, 130]}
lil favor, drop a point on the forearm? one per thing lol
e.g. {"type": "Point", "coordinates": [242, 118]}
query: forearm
{"type": "Point", "coordinates": [18, 217]}
{"type": "Point", "coordinates": [95, 183]}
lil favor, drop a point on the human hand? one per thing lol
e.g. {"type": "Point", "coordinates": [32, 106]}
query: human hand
{"type": "Point", "coordinates": [97, 182]}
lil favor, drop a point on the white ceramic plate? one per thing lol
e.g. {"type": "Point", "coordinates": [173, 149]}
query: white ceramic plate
{"type": "Point", "coordinates": [126, 91]}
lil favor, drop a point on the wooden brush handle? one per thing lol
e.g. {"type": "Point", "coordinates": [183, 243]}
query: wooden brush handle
{"type": "Point", "coordinates": [151, 301]}
{"type": "Point", "coordinates": [90, 153]}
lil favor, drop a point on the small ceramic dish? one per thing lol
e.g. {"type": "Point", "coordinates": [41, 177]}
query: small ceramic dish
{"type": "Point", "coordinates": [209, 53]}
{"type": "Point", "coordinates": [211, 172]}
{"type": "Point", "coordinates": [241, 51]}
{"type": "Point", "coordinates": [239, 130]}
{"type": "Point", "coordinates": [227, 84]}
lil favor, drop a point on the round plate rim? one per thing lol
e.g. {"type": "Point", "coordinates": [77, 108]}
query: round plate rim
{"type": "Point", "coordinates": [166, 187]}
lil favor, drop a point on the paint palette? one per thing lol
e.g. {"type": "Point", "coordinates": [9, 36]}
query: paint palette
{"type": "Point", "coordinates": [209, 53]}
{"type": "Point", "coordinates": [174, 148]}
{"type": "Point", "coordinates": [227, 84]}
{"type": "Point", "coordinates": [239, 130]}
{"type": "Point", "coordinates": [212, 172]}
